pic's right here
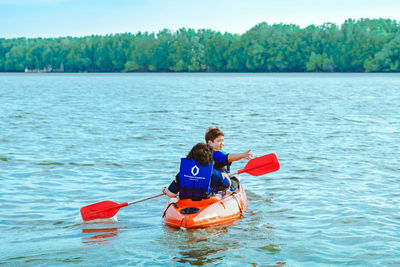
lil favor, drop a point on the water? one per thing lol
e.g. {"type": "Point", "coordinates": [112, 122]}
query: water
{"type": "Point", "coordinates": [70, 140]}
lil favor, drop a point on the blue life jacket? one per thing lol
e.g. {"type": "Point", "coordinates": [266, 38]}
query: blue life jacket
{"type": "Point", "coordinates": [221, 162]}
{"type": "Point", "coordinates": [194, 180]}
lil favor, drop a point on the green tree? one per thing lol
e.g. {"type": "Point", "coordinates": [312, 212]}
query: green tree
{"type": "Point", "coordinates": [15, 59]}
{"type": "Point", "coordinates": [388, 59]}
{"type": "Point", "coordinates": [320, 62]}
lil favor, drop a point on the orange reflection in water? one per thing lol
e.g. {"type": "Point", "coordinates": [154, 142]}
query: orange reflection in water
{"type": "Point", "coordinates": [199, 256]}
{"type": "Point", "coordinates": [191, 252]}
{"type": "Point", "coordinates": [279, 263]}
{"type": "Point", "coordinates": [104, 235]}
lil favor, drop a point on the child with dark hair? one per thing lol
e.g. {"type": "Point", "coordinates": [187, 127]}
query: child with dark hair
{"type": "Point", "coordinates": [197, 178]}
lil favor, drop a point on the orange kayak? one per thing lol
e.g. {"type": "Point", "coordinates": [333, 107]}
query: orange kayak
{"type": "Point", "coordinates": [187, 213]}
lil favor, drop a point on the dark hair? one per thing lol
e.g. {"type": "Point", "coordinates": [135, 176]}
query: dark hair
{"type": "Point", "coordinates": [213, 133]}
{"type": "Point", "coordinates": [202, 153]}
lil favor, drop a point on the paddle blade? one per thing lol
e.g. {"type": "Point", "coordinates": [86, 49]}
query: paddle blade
{"type": "Point", "coordinates": [261, 165]}
{"type": "Point", "coordinates": [101, 210]}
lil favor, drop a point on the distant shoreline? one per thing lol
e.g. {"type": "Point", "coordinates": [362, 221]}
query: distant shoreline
{"type": "Point", "coordinates": [365, 45]}
{"type": "Point", "coordinates": [202, 73]}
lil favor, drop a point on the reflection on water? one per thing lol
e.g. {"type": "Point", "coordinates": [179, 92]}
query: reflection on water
{"type": "Point", "coordinates": [224, 243]}
{"type": "Point", "coordinates": [102, 235]}
{"type": "Point", "coordinates": [200, 256]}
{"type": "Point", "coordinates": [197, 246]}
{"type": "Point", "coordinates": [99, 231]}
{"type": "Point", "coordinates": [277, 264]}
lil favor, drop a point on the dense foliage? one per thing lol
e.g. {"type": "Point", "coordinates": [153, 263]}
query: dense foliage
{"type": "Point", "coordinates": [362, 45]}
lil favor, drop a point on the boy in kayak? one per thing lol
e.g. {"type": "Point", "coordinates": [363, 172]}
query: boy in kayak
{"type": "Point", "coordinates": [197, 178]}
{"type": "Point", "coordinates": [222, 160]}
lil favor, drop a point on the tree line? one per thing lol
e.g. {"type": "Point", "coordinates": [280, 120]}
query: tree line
{"type": "Point", "coordinates": [365, 45]}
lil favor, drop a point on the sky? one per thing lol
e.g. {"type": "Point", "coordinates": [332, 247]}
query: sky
{"type": "Point", "coordinates": [56, 18]}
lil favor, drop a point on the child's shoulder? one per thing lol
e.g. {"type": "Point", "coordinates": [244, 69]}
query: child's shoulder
{"type": "Point", "coordinates": [220, 152]}
{"type": "Point", "coordinates": [220, 156]}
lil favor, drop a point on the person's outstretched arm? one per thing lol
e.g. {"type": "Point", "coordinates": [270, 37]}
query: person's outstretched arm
{"type": "Point", "coordinates": [239, 156]}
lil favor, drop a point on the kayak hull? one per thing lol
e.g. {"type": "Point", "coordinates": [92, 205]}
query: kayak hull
{"type": "Point", "coordinates": [187, 213]}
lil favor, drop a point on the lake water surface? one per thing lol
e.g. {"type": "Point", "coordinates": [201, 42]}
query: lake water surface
{"type": "Point", "coordinates": [69, 140]}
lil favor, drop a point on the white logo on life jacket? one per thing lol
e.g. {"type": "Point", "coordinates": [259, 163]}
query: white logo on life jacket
{"type": "Point", "coordinates": [195, 170]}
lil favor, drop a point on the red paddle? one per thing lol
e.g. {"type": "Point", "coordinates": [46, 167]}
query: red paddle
{"type": "Point", "coordinates": [261, 165]}
{"type": "Point", "coordinates": [106, 209]}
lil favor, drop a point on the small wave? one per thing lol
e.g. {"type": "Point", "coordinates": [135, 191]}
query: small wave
{"type": "Point", "coordinates": [114, 164]}
{"type": "Point", "coordinates": [278, 211]}
{"type": "Point", "coordinates": [293, 178]}
{"type": "Point", "coordinates": [76, 164]}
{"type": "Point", "coordinates": [4, 159]}
{"type": "Point", "coordinates": [139, 138]}
{"type": "Point", "coordinates": [272, 248]}
{"type": "Point", "coordinates": [81, 164]}
{"type": "Point", "coordinates": [15, 116]}
{"type": "Point", "coordinates": [253, 196]}
{"type": "Point", "coordinates": [50, 164]}
{"type": "Point", "coordinates": [277, 134]}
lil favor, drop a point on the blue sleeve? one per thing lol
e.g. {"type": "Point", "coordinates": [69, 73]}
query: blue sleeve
{"type": "Point", "coordinates": [220, 157]}
{"type": "Point", "coordinates": [221, 161]}
{"type": "Point", "coordinates": [219, 182]}
{"type": "Point", "coordinates": [174, 186]}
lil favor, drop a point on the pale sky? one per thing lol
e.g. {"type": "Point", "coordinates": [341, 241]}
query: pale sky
{"type": "Point", "coordinates": [55, 18]}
